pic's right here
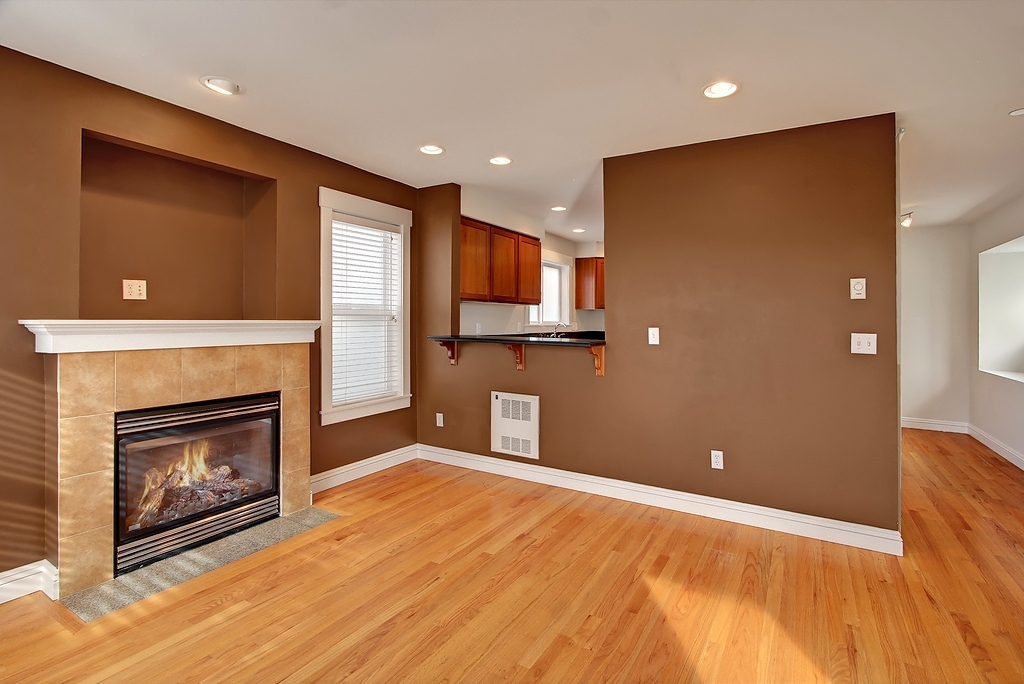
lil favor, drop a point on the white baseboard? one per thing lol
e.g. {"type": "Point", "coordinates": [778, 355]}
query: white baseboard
{"type": "Point", "coordinates": [825, 529]}
{"type": "Point", "coordinates": [937, 425]}
{"type": "Point", "coordinates": [369, 466]}
{"type": "Point", "coordinates": [37, 576]}
{"type": "Point", "coordinates": [1009, 453]}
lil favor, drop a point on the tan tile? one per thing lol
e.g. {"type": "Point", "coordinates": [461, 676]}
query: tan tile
{"type": "Point", "coordinates": [295, 491]}
{"type": "Point", "coordinates": [86, 445]}
{"type": "Point", "coordinates": [86, 383]}
{"type": "Point", "coordinates": [258, 369]}
{"type": "Point", "coordinates": [207, 373]}
{"type": "Point", "coordinates": [85, 502]}
{"type": "Point", "coordinates": [295, 366]}
{"type": "Point", "coordinates": [295, 450]}
{"type": "Point", "coordinates": [150, 377]}
{"type": "Point", "coordinates": [86, 560]}
{"type": "Point", "coordinates": [295, 408]}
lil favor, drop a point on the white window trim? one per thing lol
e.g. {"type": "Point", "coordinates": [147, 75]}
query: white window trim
{"type": "Point", "coordinates": [568, 298]}
{"type": "Point", "coordinates": [333, 202]}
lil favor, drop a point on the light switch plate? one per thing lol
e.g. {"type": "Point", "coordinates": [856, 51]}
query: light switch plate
{"type": "Point", "coordinates": [863, 343]}
{"type": "Point", "coordinates": [133, 289]}
{"type": "Point", "coordinates": [439, 418]}
{"type": "Point", "coordinates": [858, 288]}
{"type": "Point", "coordinates": [653, 336]}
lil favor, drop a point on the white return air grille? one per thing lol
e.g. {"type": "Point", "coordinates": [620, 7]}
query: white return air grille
{"type": "Point", "coordinates": [515, 424]}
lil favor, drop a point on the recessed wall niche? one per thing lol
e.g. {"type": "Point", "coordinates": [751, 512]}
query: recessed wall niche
{"type": "Point", "coordinates": [203, 238]}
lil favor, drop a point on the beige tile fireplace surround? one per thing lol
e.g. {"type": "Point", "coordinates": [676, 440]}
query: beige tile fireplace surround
{"type": "Point", "coordinates": [85, 388]}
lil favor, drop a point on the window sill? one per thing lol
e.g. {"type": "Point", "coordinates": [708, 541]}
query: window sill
{"type": "Point", "coordinates": [1009, 375]}
{"type": "Point", "coordinates": [367, 408]}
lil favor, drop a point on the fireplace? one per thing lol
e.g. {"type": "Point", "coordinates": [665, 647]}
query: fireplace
{"type": "Point", "coordinates": [189, 473]}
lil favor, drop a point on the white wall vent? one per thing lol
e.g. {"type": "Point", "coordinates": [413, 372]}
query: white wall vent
{"type": "Point", "coordinates": [515, 424]}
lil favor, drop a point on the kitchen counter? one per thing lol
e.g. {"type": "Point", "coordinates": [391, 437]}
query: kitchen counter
{"type": "Point", "coordinates": [570, 339]}
{"type": "Point", "coordinates": [593, 341]}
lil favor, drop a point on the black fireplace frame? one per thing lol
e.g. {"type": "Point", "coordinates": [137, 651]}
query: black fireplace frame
{"type": "Point", "coordinates": [131, 549]}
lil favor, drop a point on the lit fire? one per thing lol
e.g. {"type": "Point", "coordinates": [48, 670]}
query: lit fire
{"type": "Point", "coordinates": [188, 486]}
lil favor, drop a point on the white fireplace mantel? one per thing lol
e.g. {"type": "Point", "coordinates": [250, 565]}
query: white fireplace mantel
{"type": "Point", "coordinates": [70, 336]}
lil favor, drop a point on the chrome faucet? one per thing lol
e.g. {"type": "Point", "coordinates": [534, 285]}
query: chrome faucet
{"type": "Point", "coordinates": [554, 333]}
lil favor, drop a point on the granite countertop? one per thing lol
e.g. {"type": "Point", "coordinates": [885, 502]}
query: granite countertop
{"type": "Point", "coordinates": [586, 338]}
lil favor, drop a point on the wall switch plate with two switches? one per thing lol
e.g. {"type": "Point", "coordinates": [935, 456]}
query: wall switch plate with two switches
{"type": "Point", "coordinates": [863, 343]}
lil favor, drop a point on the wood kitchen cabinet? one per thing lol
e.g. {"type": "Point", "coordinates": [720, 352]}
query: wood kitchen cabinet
{"type": "Point", "coordinates": [529, 270]}
{"type": "Point", "coordinates": [498, 265]}
{"type": "Point", "coordinates": [475, 263]}
{"type": "Point", "coordinates": [504, 266]}
{"type": "Point", "coordinates": [590, 283]}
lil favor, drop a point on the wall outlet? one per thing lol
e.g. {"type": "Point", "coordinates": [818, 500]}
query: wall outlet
{"type": "Point", "coordinates": [133, 289]}
{"type": "Point", "coordinates": [439, 419]}
{"type": "Point", "coordinates": [717, 460]}
{"type": "Point", "coordinates": [863, 343]}
{"type": "Point", "coordinates": [858, 288]}
{"type": "Point", "coordinates": [653, 336]}
{"type": "Point", "coordinates": [479, 327]}
{"type": "Point", "coordinates": [519, 327]}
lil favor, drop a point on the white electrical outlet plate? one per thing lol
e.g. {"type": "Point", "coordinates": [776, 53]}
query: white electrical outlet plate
{"type": "Point", "coordinates": [717, 460]}
{"type": "Point", "coordinates": [863, 343]}
{"type": "Point", "coordinates": [858, 288]}
{"type": "Point", "coordinates": [478, 328]}
{"type": "Point", "coordinates": [133, 289]}
{"type": "Point", "coordinates": [439, 418]}
{"type": "Point", "coordinates": [653, 336]}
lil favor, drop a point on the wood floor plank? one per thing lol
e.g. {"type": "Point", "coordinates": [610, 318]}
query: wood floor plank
{"type": "Point", "coordinates": [434, 573]}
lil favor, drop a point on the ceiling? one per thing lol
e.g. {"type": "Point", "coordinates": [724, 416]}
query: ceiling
{"type": "Point", "coordinates": [557, 86]}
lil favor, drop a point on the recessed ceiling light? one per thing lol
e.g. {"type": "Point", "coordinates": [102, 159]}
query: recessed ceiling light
{"type": "Point", "coordinates": [1017, 112]}
{"type": "Point", "coordinates": [220, 85]}
{"type": "Point", "coordinates": [720, 89]}
{"type": "Point", "coordinates": [907, 219]}
{"type": "Point", "coordinates": [558, 208]}
{"type": "Point", "coordinates": [500, 161]}
{"type": "Point", "coordinates": [579, 230]}
{"type": "Point", "coordinates": [431, 149]}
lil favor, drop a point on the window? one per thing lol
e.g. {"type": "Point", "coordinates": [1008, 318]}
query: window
{"type": "Point", "coordinates": [364, 334]}
{"type": "Point", "coordinates": [554, 296]}
{"type": "Point", "coordinates": [1001, 310]}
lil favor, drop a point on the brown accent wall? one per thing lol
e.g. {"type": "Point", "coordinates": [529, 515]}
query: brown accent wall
{"type": "Point", "coordinates": [437, 244]}
{"type": "Point", "coordinates": [43, 113]}
{"type": "Point", "coordinates": [176, 225]}
{"type": "Point", "coordinates": [741, 252]}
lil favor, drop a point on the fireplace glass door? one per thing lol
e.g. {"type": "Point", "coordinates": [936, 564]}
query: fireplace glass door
{"type": "Point", "coordinates": [183, 465]}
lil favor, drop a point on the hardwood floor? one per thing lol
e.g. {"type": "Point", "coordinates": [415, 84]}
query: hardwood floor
{"type": "Point", "coordinates": [436, 574]}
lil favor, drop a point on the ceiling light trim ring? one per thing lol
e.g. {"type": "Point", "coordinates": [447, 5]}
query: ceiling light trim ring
{"type": "Point", "coordinates": [219, 84]}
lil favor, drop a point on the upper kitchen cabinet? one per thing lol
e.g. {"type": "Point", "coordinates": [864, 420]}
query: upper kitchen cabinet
{"type": "Point", "coordinates": [475, 263]}
{"type": "Point", "coordinates": [498, 265]}
{"type": "Point", "coordinates": [590, 283]}
{"type": "Point", "coordinates": [529, 270]}
{"type": "Point", "coordinates": [504, 266]}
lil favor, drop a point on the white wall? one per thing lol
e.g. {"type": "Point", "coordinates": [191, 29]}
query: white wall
{"type": "Point", "coordinates": [935, 307]}
{"type": "Point", "coordinates": [491, 206]}
{"type": "Point", "coordinates": [997, 403]}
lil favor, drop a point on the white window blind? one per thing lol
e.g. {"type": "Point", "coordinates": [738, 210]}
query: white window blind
{"type": "Point", "coordinates": [367, 318]}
